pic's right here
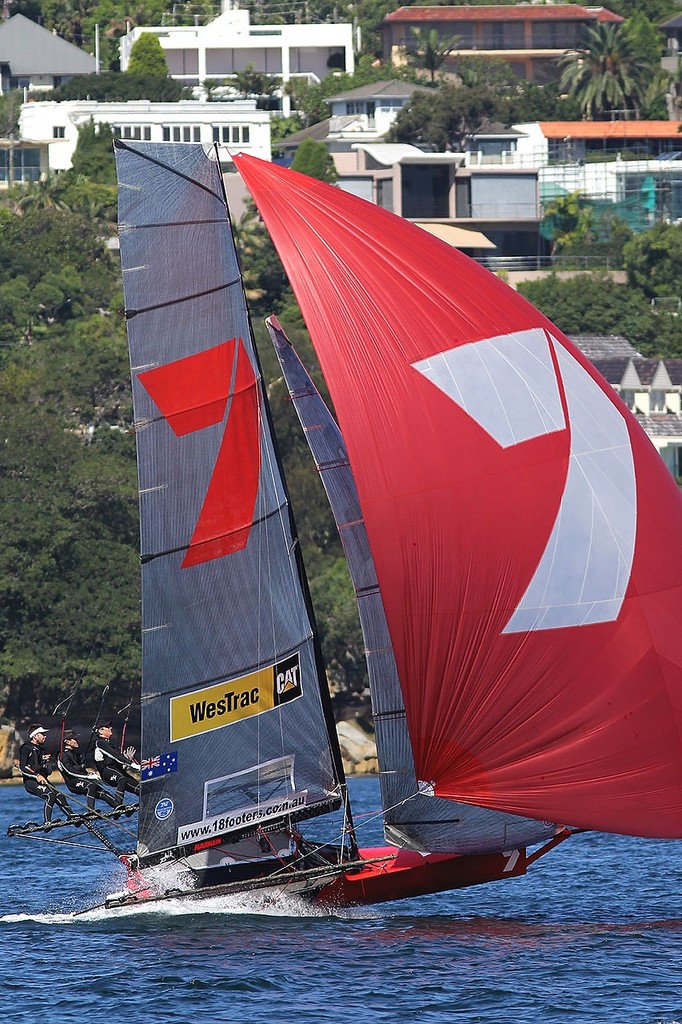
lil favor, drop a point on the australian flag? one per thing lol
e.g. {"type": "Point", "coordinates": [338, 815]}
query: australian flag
{"type": "Point", "coordinates": [159, 765]}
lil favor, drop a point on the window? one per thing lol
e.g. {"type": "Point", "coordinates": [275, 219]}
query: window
{"type": "Point", "coordinates": [58, 131]}
{"type": "Point", "coordinates": [136, 132]}
{"type": "Point", "coordinates": [229, 134]}
{"type": "Point", "coordinates": [657, 400]}
{"type": "Point", "coordinates": [181, 133]}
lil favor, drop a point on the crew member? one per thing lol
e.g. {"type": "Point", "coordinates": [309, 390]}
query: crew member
{"type": "Point", "coordinates": [77, 777]}
{"type": "Point", "coordinates": [36, 767]}
{"type": "Point", "coordinates": [114, 766]}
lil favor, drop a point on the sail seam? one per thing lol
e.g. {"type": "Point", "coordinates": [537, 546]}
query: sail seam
{"type": "Point", "coordinates": [119, 144]}
{"type": "Point", "coordinates": [169, 224]}
{"type": "Point", "coordinates": [146, 559]}
{"type": "Point", "coordinates": [130, 313]}
{"type": "Point", "coordinates": [247, 670]}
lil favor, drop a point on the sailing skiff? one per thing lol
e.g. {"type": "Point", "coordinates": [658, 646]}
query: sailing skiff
{"type": "Point", "coordinates": [514, 541]}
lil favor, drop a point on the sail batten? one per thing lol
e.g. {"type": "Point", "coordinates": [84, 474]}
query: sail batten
{"type": "Point", "coordinates": [527, 538]}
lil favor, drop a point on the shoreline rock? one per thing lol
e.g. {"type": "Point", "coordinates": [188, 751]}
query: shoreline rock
{"type": "Point", "coordinates": [358, 749]}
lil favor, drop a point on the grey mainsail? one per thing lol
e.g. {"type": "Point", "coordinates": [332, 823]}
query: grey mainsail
{"type": "Point", "coordinates": [235, 731]}
{"type": "Point", "coordinates": [411, 818]}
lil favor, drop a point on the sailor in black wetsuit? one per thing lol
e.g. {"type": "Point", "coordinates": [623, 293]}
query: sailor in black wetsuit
{"type": "Point", "coordinates": [76, 776]}
{"type": "Point", "coordinates": [114, 766]}
{"type": "Point", "coordinates": [36, 767]}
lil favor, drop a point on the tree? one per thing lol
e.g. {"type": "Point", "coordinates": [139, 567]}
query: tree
{"type": "Point", "coordinates": [252, 84]}
{"type": "Point", "coordinates": [653, 261]}
{"type": "Point", "coordinates": [595, 304]}
{"type": "Point", "coordinates": [430, 50]}
{"type": "Point", "coordinates": [93, 156]}
{"type": "Point", "coordinates": [10, 108]}
{"type": "Point", "coordinates": [446, 118]}
{"type": "Point", "coordinates": [607, 74]}
{"type": "Point", "coordinates": [313, 158]}
{"type": "Point", "coordinates": [114, 87]}
{"type": "Point", "coordinates": [645, 39]}
{"type": "Point", "coordinates": [147, 57]}
{"type": "Point", "coordinates": [262, 270]}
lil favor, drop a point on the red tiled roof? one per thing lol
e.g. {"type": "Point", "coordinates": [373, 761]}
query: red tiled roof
{"type": "Point", "coordinates": [611, 130]}
{"type": "Point", "coordinates": [501, 12]}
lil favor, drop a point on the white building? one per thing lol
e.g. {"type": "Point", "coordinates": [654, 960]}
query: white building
{"type": "Point", "coordinates": [635, 165]}
{"type": "Point", "coordinates": [236, 124]}
{"type": "Point", "coordinates": [230, 44]}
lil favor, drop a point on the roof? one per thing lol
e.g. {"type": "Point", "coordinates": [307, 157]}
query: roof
{"type": "Point", "coordinates": [495, 130]}
{"type": "Point", "coordinates": [29, 49]}
{"type": "Point", "coordinates": [395, 89]}
{"type": "Point", "coordinates": [665, 425]}
{"type": "Point", "coordinates": [604, 346]}
{"type": "Point", "coordinates": [501, 12]}
{"type": "Point", "coordinates": [611, 130]}
{"type": "Point", "coordinates": [319, 132]}
{"type": "Point", "coordinates": [389, 153]}
{"type": "Point", "coordinates": [460, 238]}
{"type": "Point", "coordinates": [675, 22]}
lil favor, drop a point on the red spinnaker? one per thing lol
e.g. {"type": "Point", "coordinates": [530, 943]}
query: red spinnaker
{"type": "Point", "coordinates": [578, 722]}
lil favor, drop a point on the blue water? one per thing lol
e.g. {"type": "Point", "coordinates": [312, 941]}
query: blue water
{"type": "Point", "coordinates": [592, 934]}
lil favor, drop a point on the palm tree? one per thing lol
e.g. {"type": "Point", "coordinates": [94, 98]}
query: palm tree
{"type": "Point", "coordinates": [431, 51]}
{"type": "Point", "coordinates": [606, 74]}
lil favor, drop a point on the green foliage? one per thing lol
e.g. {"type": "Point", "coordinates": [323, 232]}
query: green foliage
{"type": "Point", "coordinates": [147, 57]}
{"type": "Point", "coordinates": [653, 261]}
{"type": "Point", "coordinates": [608, 73]}
{"type": "Point", "coordinates": [529, 102]}
{"type": "Point", "coordinates": [253, 84]}
{"type": "Point", "coordinates": [114, 87]}
{"type": "Point", "coordinates": [445, 118]}
{"type": "Point", "coordinates": [93, 157]}
{"type": "Point", "coordinates": [262, 272]}
{"type": "Point", "coordinates": [68, 497]}
{"type": "Point", "coordinates": [10, 108]}
{"type": "Point", "coordinates": [340, 635]}
{"type": "Point", "coordinates": [595, 304]}
{"type": "Point", "coordinates": [313, 158]}
{"type": "Point", "coordinates": [645, 38]}
{"type": "Point", "coordinates": [430, 50]}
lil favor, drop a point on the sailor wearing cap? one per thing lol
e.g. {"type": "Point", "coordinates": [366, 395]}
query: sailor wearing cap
{"type": "Point", "coordinates": [114, 765]}
{"type": "Point", "coordinates": [77, 777]}
{"type": "Point", "coordinates": [36, 767]}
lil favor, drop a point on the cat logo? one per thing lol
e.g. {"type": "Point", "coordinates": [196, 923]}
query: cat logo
{"type": "Point", "coordinates": [287, 680]}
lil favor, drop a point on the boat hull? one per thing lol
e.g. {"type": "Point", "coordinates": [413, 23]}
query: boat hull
{"type": "Point", "coordinates": [379, 875]}
{"type": "Point", "coordinates": [406, 873]}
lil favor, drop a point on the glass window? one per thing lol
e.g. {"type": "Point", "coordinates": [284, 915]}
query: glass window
{"type": "Point", "coordinates": [657, 401]}
{"type": "Point", "coordinates": [58, 131]}
{"type": "Point", "coordinates": [181, 133]}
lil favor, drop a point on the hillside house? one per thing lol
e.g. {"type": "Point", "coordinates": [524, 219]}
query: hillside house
{"type": "Point", "coordinates": [230, 44]}
{"type": "Point", "coordinates": [650, 388]}
{"type": "Point", "coordinates": [528, 37]}
{"type": "Point", "coordinates": [34, 59]}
